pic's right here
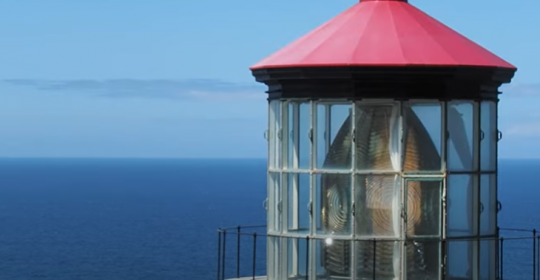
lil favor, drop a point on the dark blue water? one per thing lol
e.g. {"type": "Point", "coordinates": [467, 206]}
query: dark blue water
{"type": "Point", "coordinates": [157, 219]}
{"type": "Point", "coordinates": [122, 219]}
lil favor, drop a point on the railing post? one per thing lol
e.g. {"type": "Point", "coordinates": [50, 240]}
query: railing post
{"type": "Point", "coordinates": [238, 252]}
{"type": "Point", "coordinates": [445, 259]}
{"type": "Point", "coordinates": [537, 264]}
{"type": "Point", "coordinates": [254, 252]}
{"type": "Point", "coordinates": [307, 257]}
{"type": "Point", "coordinates": [223, 258]}
{"type": "Point", "coordinates": [219, 256]}
{"type": "Point", "coordinates": [501, 257]}
{"type": "Point", "coordinates": [374, 259]}
{"type": "Point", "coordinates": [497, 252]}
{"type": "Point", "coordinates": [534, 254]}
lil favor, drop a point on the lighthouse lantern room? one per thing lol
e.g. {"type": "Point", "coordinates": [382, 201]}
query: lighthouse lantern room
{"type": "Point", "coordinates": [382, 159]}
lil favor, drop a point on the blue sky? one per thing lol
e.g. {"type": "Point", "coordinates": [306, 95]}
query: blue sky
{"type": "Point", "coordinates": [169, 78]}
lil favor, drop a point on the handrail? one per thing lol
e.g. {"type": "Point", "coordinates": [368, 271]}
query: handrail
{"type": "Point", "coordinates": [258, 237]}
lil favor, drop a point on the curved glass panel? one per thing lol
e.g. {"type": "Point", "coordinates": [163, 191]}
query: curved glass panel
{"type": "Point", "coordinates": [378, 205]}
{"type": "Point", "coordinates": [423, 259]}
{"type": "Point", "coordinates": [488, 259]}
{"type": "Point", "coordinates": [329, 265]}
{"type": "Point", "coordinates": [488, 135]}
{"type": "Point", "coordinates": [297, 258]}
{"type": "Point", "coordinates": [460, 206]}
{"type": "Point", "coordinates": [423, 137]}
{"type": "Point", "coordinates": [460, 119]}
{"type": "Point", "coordinates": [274, 202]}
{"type": "Point", "coordinates": [460, 259]}
{"type": "Point", "coordinates": [378, 137]}
{"type": "Point", "coordinates": [488, 204]}
{"type": "Point", "coordinates": [423, 208]}
{"type": "Point", "coordinates": [274, 133]}
{"type": "Point", "coordinates": [274, 260]}
{"type": "Point", "coordinates": [299, 143]}
{"type": "Point", "coordinates": [297, 203]}
{"type": "Point", "coordinates": [334, 137]}
{"type": "Point", "coordinates": [333, 204]}
{"type": "Point", "coordinates": [378, 259]}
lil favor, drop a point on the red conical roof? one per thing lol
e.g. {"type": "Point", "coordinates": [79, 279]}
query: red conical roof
{"type": "Point", "coordinates": [382, 33]}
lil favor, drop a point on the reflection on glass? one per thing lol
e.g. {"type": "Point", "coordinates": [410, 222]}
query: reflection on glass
{"type": "Point", "coordinates": [460, 211]}
{"type": "Point", "coordinates": [299, 145]}
{"type": "Point", "coordinates": [378, 205]}
{"type": "Point", "coordinates": [274, 127]}
{"type": "Point", "coordinates": [322, 145]}
{"type": "Point", "coordinates": [423, 137]}
{"type": "Point", "coordinates": [332, 266]}
{"type": "Point", "coordinates": [334, 137]}
{"type": "Point", "coordinates": [298, 202]}
{"type": "Point", "coordinates": [304, 143]}
{"type": "Point", "coordinates": [380, 258]}
{"type": "Point", "coordinates": [334, 217]}
{"type": "Point", "coordinates": [460, 119]}
{"type": "Point", "coordinates": [296, 257]}
{"type": "Point", "coordinates": [333, 204]}
{"type": "Point", "coordinates": [488, 142]}
{"type": "Point", "coordinates": [423, 208]}
{"type": "Point", "coordinates": [274, 202]}
{"type": "Point", "coordinates": [292, 135]}
{"type": "Point", "coordinates": [423, 259]}
{"type": "Point", "coordinates": [378, 140]}
{"type": "Point", "coordinates": [459, 259]}
{"type": "Point", "coordinates": [488, 258]}
{"type": "Point", "coordinates": [488, 206]}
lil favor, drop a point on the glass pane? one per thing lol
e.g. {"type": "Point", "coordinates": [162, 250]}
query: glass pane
{"type": "Point", "coordinates": [299, 145]}
{"type": "Point", "coordinates": [460, 260]}
{"type": "Point", "coordinates": [333, 204]}
{"type": "Point", "coordinates": [296, 257]}
{"type": "Point", "coordinates": [488, 206]}
{"type": "Point", "coordinates": [273, 257]}
{"type": "Point", "coordinates": [488, 142]}
{"type": "Point", "coordinates": [423, 259]}
{"type": "Point", "coordinates": [423, 208]}
{"type": "Point", "coordinates": [321, 141]}
{"type": "Point", "coordinates": [333, 259]}
{"type": "Point", "coordinates": [304, 142]}
{"type": "Point", "coordinates": [378, 139]}
{"type": "Point", "coordinates": [459, 203]}
{"type": "Point", "coordinates": [298, 203]}
{"type": "Point", "coordinates": [380, 259]}
{"type": "Point", "coordinates": [334, 141]}
{"type": "Point", "coordinates": [274, 133]}
{"type": "Point", "coordinates": [378, 205]}
{"type": "Point", "coordinates": [274, 202]}
{"type": "Point", "coordinates": [460, 120]}
{"type": "Point", "coordinates": [291, 135]}
{"type": "Point", "coordinates": [423, 137]}
{"type": "Point", "coordinates": [488, 258]}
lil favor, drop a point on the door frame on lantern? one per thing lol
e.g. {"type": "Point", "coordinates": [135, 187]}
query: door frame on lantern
{"type": "Point", "coordinates": [438, 238]}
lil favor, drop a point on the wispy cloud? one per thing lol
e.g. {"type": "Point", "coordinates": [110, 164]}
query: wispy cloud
{"type": "Point", "coordinates": [525, 130]}
{"type": "Point", "coordinates": [187, 89]}
{"type": "Point", "coordinates": [532, 90]}
{"type": "Point", "coordinates": [157, 88]}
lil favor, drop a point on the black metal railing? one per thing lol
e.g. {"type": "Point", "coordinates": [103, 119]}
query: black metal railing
{"type": "Point", "coordinates": [241, 253]}
{"type": "Point", "coordinates": [248, 252]}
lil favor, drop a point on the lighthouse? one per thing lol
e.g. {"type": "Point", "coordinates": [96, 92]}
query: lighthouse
{"type": "Point", "coordinates": [382, 150]}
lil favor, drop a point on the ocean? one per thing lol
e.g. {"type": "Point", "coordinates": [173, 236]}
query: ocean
{"type": "Point", "coordinates": [116, 219]}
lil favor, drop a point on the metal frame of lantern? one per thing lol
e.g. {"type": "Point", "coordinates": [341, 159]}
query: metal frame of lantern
{"type": "Point", "coordinates": [320, 89]}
